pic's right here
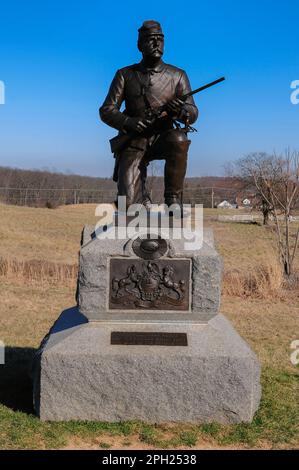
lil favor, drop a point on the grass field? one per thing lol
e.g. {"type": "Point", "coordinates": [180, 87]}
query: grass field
{"type": "Point", "coordinates": [38, 260]}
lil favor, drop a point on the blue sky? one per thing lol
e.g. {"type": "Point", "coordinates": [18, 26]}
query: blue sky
{"type": "Point", "coordinates": [57, 59]}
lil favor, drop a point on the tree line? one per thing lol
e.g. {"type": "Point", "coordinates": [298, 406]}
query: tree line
{"type": "Point", "coordinates": [42, 188]}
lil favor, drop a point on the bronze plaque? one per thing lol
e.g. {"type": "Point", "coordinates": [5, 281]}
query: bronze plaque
{"type": "Point", "coordinates": [148, 338]}
{"type": "Point", "coordinates": [137, 284]}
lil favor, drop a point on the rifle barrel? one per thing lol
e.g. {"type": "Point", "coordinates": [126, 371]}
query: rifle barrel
{"type": "Point", "coordinates": [193, 92]}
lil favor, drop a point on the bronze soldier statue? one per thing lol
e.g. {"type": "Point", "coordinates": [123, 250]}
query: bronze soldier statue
{"type": "Point", "coordinates": [145, 87]}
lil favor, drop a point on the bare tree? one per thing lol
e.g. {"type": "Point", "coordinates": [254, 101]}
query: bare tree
{"type": "Point", "coordinates": [276, 179]}
{"type": "Point", "coordinates": [281, 182]}
{"type": "Point", "coordinates": [249, 171]}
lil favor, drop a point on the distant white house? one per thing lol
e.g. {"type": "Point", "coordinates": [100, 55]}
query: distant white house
{"type": "Point", "coordinates": [246, 202]}
{"type": "Point", "coordinates": [225, 205]}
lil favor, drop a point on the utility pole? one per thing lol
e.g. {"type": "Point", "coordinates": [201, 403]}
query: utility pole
{"type": "Point", "coordinates": [212, 196]}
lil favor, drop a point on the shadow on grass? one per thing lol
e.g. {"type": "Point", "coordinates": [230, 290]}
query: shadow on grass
{"type": "Point", "coordinates": [15, 375]}
{"type": "Point", "coordinates": [15, 379]}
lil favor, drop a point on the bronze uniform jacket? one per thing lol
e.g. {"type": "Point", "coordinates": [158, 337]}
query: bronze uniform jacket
{"type": "Point", "coordinates": [160, 85]}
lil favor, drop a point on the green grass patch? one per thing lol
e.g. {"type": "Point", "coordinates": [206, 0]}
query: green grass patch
{"type": "Point", "coordinates": [276, 421]}
{"type": "Point", "coordinates": [104, 445]}
{"type": "Point", "coordinates": [188, 438]}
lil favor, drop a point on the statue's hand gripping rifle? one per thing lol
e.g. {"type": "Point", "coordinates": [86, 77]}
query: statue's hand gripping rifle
{"type": "Point", "coordinates": [119, 142]}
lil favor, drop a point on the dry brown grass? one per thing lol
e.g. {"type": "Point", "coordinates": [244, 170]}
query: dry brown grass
{"type": "Point", "coordinates": [49, 234]}
{"type": "Point", "coordinates": [264, 281]}
{"type": "Point", "coordinates": [29, 309]}
{"type": "Point", "coordinates": [38, 271]}
{"type": "Point", "coordinates": [269, 326]}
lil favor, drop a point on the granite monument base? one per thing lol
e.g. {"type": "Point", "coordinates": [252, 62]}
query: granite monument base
{"type": "Point", "coordinates": [80, 375]}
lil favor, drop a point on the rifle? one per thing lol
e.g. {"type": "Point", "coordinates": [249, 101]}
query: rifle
{"type": "Point", "coordinates": [119, 142]}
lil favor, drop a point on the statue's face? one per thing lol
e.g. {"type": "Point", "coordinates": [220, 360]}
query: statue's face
{"type": "Point", "coordinates": [152, 47]}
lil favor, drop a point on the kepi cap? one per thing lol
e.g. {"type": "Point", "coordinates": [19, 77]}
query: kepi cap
{"type": "Point", "coordinates": [149, 28]}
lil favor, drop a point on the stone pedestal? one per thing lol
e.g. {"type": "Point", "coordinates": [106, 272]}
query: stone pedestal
{"type": "Point", "coordinates": [81, 376]}
{"type": "Point", "coordinates": [80, 373]}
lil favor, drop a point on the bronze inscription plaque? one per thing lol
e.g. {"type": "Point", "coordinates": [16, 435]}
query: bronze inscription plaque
{"type": "Point", "coordinates": [148, 338]}
{"type": "Point", "coordinates": [137, 284]}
